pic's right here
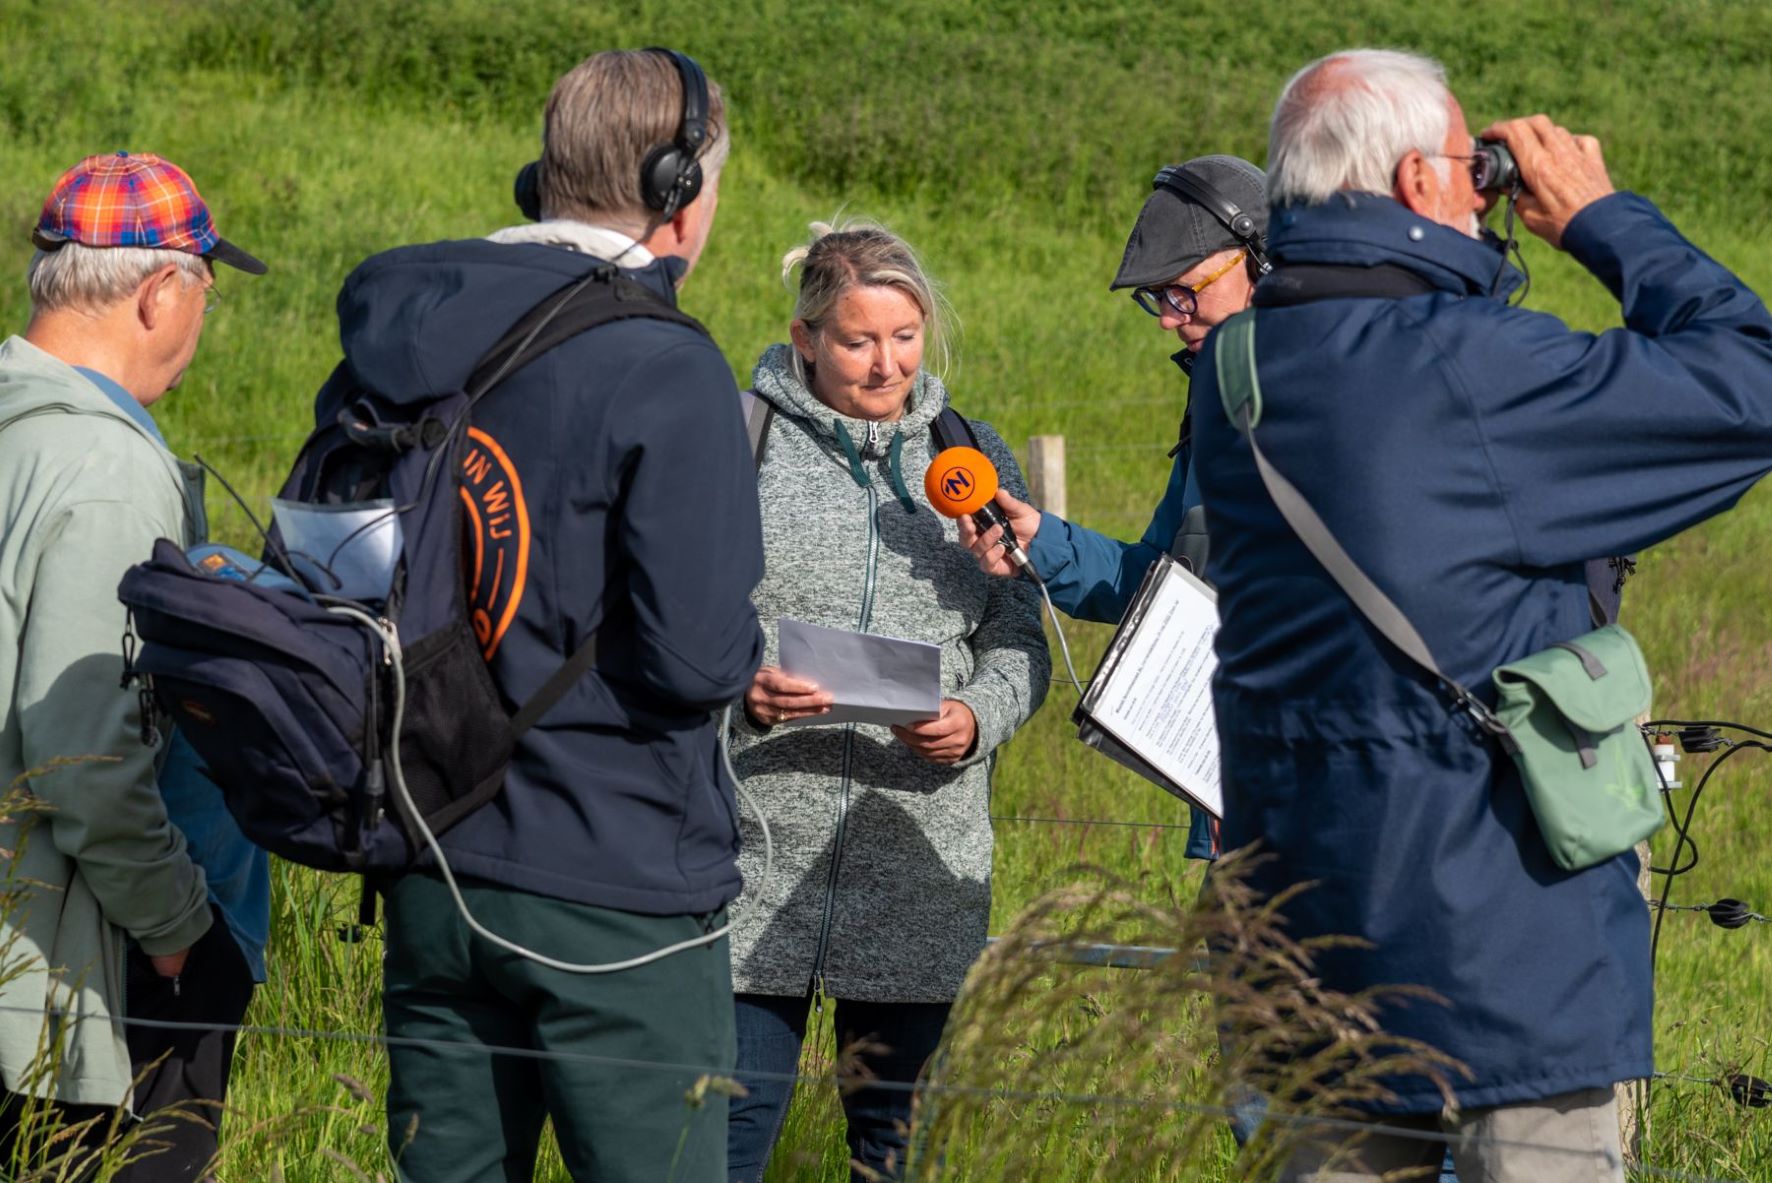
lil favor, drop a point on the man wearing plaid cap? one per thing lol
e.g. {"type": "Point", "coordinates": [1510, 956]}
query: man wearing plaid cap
{"type": "Point", "coordinates": [131, 860]}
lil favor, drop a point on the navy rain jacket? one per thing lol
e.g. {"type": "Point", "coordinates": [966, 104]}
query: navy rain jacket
{"type": "Point", "coordinates": [1469, 456]}
{"type": "Point", "coordinates": [608, 486]}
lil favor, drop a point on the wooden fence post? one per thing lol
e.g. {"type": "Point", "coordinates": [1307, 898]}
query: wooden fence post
{"type": "Point", "coordinates": [1046, 473]}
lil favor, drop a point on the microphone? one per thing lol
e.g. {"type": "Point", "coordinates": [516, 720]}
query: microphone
{"type": "Point", "coordinates": [962, 481]}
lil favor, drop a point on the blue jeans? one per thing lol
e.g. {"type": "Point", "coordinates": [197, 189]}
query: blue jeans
{"type": "Point", "coordinates": [770, 1031]}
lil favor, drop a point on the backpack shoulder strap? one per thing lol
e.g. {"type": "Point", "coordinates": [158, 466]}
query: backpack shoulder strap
{"type": "Point", "coordinates": [603, 296]}
{"type": "Point", "coordinates": [555, 688]}
{"type": "Point", "coordinates": [1240, 392]}
{"type": "Point", "coordinates": [951, 430]}
{"type": "Point", "coordinates": [759, 413]}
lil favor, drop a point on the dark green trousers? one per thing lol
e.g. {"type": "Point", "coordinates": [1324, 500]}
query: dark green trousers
{"type": "Point", "coordinates": [462, 1114]}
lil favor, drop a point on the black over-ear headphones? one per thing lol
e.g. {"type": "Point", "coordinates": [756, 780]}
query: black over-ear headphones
{"type": "Point", "coordinates": [670, 176]}
{"type": "Point", "coordinates": [1236, 220]}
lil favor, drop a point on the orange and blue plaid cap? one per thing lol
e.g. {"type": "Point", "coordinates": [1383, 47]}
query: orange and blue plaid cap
{"type": "Point", "coordinates": [130, 199]}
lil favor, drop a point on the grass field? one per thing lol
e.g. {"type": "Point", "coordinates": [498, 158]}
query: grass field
{"type": "Point", "coordinates": [1012, 143]}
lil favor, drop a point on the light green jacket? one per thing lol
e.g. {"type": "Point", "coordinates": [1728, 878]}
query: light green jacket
{"type": "Point", "coordinates": [84, 492]}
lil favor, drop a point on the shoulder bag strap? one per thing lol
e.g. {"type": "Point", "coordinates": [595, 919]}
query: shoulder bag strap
{"type": "Point", "coordinates": [1240, 390]}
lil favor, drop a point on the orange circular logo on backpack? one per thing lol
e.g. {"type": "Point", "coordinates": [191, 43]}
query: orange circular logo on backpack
{"type": "Point", "coordinates": [959, 481]}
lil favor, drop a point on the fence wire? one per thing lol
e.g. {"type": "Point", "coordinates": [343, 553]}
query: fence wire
{"type": "Point", "coordinates": [978, 1092]}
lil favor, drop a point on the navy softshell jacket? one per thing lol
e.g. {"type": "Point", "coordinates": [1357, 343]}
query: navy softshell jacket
{"type": "Point", "coordinates": [1469, 456]}
{"type": "Point", "coordinates": [608, 485]}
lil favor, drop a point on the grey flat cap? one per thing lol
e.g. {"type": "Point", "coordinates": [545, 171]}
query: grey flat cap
{"type": "Point", "coordinates": [1173, 233]}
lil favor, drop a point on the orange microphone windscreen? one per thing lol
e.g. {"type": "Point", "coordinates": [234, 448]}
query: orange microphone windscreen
{"type": "Point", "coordinates": [960, 481]}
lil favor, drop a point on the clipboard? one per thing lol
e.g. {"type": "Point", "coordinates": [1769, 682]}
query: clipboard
{"type": "Point", "coordinates": [1149, 706]}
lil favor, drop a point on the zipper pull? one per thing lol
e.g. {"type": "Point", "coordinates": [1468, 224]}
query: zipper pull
{"type": "Point", "coordinates": [175, 988]}
{"type": "Point", "coordinates": [128, 650]}
{"type": "Point", "coordinates": [873, 439]}
{"type": "Point", "coordinates": [389, 638]}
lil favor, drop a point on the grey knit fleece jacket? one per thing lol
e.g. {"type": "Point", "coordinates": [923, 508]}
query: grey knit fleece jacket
{"type": "Point", "coordinates": [881, 888]}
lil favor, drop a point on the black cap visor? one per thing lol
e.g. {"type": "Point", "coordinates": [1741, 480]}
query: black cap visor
{"type": "Point", "coordinates": [226, 252]}
{"type": "Point", "coordinates": [222, 252]}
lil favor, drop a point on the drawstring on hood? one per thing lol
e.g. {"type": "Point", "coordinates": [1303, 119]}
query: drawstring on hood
{"type": "Point", "coordinates": [775, 380]}
{"type": "Point", "coordinates": [855, 469]}
{"type": "Point", "coordinates": [895, 468]}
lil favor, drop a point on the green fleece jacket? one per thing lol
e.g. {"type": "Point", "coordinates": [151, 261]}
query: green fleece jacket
{"type": "Point", "coordinates": [84, 492]}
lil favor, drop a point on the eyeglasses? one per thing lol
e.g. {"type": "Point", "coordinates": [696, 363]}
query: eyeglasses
{"type": "Point", "coordinates": [1486, 162]}
{"type": "Point", "coordinates": [211, 299]}
{"type": "Point", "coordinates": [1182, 298]}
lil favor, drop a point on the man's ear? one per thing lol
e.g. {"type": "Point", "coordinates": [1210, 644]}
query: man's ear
{"type": "Point", "coordinates": [680, 222]}
{"type": "Point", "coordinates": [155, 297]}
{"type": "Point", "coordinates": [665, 237]}
{"type": "Point", "coordinates": [1418, 185]}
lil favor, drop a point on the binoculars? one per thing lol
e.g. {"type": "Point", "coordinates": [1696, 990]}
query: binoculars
{"type": "Point", "coordinates": [1493, 167]}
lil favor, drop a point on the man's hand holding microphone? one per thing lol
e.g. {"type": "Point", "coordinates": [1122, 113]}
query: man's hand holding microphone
{"type": "Point", "coordinates": [987, 545]}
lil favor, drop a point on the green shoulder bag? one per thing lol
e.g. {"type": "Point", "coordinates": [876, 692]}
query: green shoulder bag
{"type": "Point", "coordinates": [1570, 716]}
{"type": "Point", "coordinates": [1566, 715]}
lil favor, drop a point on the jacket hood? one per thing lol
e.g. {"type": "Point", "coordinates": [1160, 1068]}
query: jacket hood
{"type": "Point", "coordinates": [1365, 229]}
{"type": "Point", "coordinates": [775, 380]}
{"type": "Point", "coordinates": [414, 321]}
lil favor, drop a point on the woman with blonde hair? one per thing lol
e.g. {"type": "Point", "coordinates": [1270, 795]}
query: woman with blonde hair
{"type": "Point", "coordinates": [880, 893]}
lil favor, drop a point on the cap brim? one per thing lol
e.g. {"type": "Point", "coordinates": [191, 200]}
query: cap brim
{"type": "Point", "coordinates": [1146, 271]}
{"type": "Point", "coordinates": [226, 252]}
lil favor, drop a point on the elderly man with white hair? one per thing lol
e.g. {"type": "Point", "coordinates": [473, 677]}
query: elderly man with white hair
{"type": "Point", "coordinates": [1467, 456]}
{"type": "Point", "coordinates": [138, 891]}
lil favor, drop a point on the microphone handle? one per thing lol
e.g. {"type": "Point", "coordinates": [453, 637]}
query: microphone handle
{"type": "Point", "coordinates": [989, 515]}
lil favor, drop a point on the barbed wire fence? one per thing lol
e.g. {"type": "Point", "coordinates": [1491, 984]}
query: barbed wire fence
{"type": "Point", "coordinates": [700, 1074]}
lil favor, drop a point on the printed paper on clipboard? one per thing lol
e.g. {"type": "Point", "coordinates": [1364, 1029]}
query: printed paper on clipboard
{"type": "Point", "coordinates": [1150, 704]}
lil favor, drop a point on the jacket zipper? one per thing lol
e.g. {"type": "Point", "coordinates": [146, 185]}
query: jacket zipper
{"type": "Point", "coordinates": [830, 887]}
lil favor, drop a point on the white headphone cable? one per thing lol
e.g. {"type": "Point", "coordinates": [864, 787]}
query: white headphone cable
{"type": "Point", "coordinates": [391, 643]}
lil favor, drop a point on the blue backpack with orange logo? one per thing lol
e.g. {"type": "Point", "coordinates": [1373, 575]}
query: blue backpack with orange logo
{"type": "Point", "coordinates": [297, 682]}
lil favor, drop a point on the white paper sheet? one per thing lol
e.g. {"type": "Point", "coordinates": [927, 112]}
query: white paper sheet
{"type": "Point", "coordinates": [873, 679]}
{"type": "Point", "coordinates": [1153, 694]}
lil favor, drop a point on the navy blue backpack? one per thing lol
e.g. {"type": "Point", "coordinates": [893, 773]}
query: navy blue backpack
{"type": "Point", "coordinates": [286, 689]}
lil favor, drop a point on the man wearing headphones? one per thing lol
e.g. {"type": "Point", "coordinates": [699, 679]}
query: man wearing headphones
{"type": "Point", "coordinates": [1192, 261]}
{"type": "Point", "coordinates": [608, 491]}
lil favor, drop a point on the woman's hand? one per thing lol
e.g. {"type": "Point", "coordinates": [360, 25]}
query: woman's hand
{"type": "Point", "coordinates": [1024, 519]}
{"type": "Point", "coordinates": [946, 739]}
{"type": "Point", "coordinates": [775, 697]}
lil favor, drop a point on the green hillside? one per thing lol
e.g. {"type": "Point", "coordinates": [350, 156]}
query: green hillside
{"type": "Point", "coordinates": [1012, 143]}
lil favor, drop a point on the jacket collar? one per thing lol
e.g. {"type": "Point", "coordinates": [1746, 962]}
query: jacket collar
{"type": "Point", "coordinates": [775, 380]}
{"type": "Point", "coordinates": [33, 380]}
{"type": "Point", "coordinates": [124, 401]}
{"type": "Point", "coordinates": [661, 274]}
{"type": "Point", "coordinates": [1365, 229]}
